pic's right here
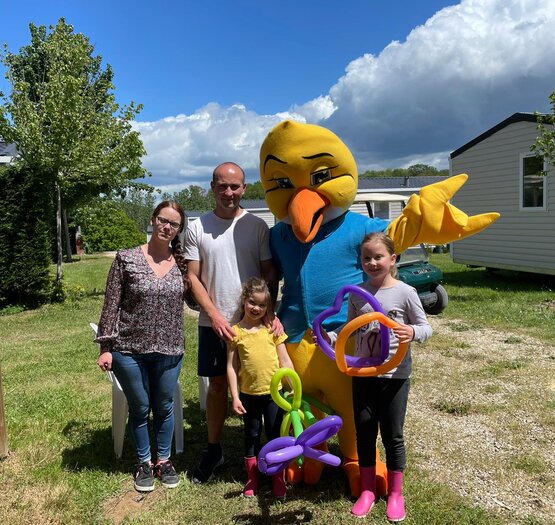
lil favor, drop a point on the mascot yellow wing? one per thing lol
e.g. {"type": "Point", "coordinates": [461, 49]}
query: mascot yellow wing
{"type": "Point", "coordinates": [430, 218]}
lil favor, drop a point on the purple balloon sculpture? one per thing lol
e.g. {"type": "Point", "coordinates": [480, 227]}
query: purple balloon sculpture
{"type": "Point", "coordinates": [278, 453]}
{"type": "Point", "coordinates": [358, 362]}
{"type": "Point", "coordinates": [287, 451]}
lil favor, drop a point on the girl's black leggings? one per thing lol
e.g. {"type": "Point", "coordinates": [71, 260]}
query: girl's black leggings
{"type": "Point", "coordinates": [380, 402]}
{"type": "Point", "coordinates": [261, 410]}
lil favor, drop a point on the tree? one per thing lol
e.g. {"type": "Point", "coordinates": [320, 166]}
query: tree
{"type": "Point", "coordinates": [194, 198]}
{"type": "Point", "coordinates": [255, 190]}
{"type": "Point", "coordinates": [545, 143]}
{"type": "Point", "coordinates": [106, 227]}
{"type": "Point", "coordinates": [417, 170]}
{"type": "Point", "coordinates": [25, 238]}
{"type": "Point", "coordinates": [138, 204]}
{"type": "Point", "coordinates": [63, 117]}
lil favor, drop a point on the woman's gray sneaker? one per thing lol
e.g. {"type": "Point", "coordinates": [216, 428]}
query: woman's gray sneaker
{"type": "Point", "coordinates": [167, 474]}
{"type": "Point", "coordinates": [144, 477]}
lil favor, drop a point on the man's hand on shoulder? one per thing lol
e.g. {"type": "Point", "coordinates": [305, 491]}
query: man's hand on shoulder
{"type": "Point", "coordinates": [222, 328]}
{"type": "Point", "coordinates": [276, 327]}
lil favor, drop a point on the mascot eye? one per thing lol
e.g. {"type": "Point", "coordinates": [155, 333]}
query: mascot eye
{"type": "Point", "coordinates": [284, 183]}
{"type": "Point", "coordinates": [320, 176]}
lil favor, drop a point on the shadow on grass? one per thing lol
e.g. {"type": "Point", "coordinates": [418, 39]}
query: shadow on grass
{"type": "Point", "coordinates": [291, 517]}
{"type": "Point", "coordinates": [96, 451]}
{"type": "Point", "coordinates": [332, 487]}
{"type": "Point", "coordinates": [93, 450]}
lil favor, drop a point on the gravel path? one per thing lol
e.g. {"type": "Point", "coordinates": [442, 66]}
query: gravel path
{"type": "Point", "coordinates": [482, 418]}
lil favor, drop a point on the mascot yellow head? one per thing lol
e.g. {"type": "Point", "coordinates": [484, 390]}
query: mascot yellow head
{"type": "Point", "coordinates": [309, 176]}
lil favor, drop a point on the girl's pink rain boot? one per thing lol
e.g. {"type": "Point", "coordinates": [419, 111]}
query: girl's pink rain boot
{"type": "Point", "coordinates": [252, 477]}
{"type": "Point", "coordinates": [365, 502]}
{"type": "Point", "coordinates": [279, 488]}
{"type": "Point", "coordinates": [395, 501]}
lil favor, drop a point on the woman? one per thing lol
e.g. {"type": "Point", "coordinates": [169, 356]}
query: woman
{"type": "Point", "coordinates": [141, 338]}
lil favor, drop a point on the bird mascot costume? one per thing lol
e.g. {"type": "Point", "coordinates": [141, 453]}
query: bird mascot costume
{"type": "Point", "coordinates": [310, 179]}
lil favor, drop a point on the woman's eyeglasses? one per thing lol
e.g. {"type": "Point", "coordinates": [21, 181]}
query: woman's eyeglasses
{"type": "Point", "coordinates": [163, 222]}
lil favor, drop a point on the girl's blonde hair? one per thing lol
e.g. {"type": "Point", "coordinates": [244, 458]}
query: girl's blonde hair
{"type": "Point", "coordinates": [257, 285]}
{"type": "Point", "coordinates": [387, 241]}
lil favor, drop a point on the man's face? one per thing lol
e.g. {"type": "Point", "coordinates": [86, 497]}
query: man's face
{"type": "Point", "coordinates": [228, 187]}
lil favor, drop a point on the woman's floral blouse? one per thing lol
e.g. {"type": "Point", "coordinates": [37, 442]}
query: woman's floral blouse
{"type": "Point", "coordinates": [142, 313]}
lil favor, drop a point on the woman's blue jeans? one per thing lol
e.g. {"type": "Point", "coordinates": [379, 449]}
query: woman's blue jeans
{"type": "Point", "coordinates": [148, 382]}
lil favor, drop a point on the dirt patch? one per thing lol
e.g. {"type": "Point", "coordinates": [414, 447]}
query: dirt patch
{"type": "Point", "coordinates": [130, 504]}
{"type": "Point", "coordinates": [549, 304]}
{"type": "Point", "coordinates": [482, 417]}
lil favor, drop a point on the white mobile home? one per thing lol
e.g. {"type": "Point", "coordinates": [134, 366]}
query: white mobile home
{"type": "Point", "coordinates": [504, 176]}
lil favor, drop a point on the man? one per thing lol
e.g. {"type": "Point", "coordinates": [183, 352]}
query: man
{"type": "Point", "coordinates": [223, 249]}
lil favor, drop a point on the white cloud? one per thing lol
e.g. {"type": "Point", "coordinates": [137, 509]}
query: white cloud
{"type": "Point", "coordinates": [315, 110]}
{"type": "Point", "coordinates": [469, 67]}
{"type": "Point", "coordinates": [466, 69]}
{"type": "Point", "coordinates": [185, 149]}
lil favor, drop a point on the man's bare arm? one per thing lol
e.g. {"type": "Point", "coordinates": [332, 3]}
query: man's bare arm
{"type": "Point", "coordinates": [219, 323]}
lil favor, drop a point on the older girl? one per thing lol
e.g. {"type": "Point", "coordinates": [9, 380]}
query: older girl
{"type": "Point", "coordinates": [381, 402]}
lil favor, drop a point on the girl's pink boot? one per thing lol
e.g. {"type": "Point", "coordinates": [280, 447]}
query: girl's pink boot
{"type": "Point", "coordinates": [252, 477]}
{"type": "Point", "coordinates": [365, 502]}
{"type": "Point", "coordinates": [395, 501]}
{"type": "Point", "coordinates": [279, 488]}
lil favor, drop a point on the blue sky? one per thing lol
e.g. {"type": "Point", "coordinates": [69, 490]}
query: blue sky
{"type": "Point", "coordinates": [401, 81]}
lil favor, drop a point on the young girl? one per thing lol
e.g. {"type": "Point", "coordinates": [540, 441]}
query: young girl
{"type": "Point", "coordinates": [254, 355]}
{"type": "Point", "coordinates": [381, 402]}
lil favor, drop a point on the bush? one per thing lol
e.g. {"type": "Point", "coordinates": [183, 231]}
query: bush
{"type": "Point", "coordinates": [105, 227]}
{"type": "Point", "coordinates": [25, 234]}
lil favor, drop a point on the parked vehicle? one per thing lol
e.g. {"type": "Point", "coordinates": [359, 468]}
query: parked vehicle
{"type": "Point", "coordinates": [413, 265]}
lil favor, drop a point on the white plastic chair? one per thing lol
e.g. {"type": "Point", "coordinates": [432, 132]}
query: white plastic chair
{"type": "Point", "coordinates": [120, 411]}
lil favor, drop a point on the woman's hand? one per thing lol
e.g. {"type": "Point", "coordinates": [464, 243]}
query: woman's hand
{"type": "Point", "coordinates": [105, 361]}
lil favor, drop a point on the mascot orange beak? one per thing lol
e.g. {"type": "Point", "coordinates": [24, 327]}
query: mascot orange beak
{"type": "Point", "coordinates": [306, 212]}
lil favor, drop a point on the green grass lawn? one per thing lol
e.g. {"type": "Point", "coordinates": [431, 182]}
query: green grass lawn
{"type": "Point", "coordinates": [520, 302]}
{"type": "Point", "coordinates": [62, 469]}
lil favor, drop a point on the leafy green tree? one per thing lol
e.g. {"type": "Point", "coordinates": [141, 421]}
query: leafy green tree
{"type": "Point", "coordinates": [194, 198]}
{"type": "Point", "coordinates": [255, 190]}
{"type": "Point", "coordinates": [106, 227]}
{"type": "Point", "coordinates": [63, 117]}
{"type": "Point", "coordinates": [138, 204]}
{"type": "Point", "coordinates": [545, 142]}
{"type": "Point", "coordinates": [416, 170]}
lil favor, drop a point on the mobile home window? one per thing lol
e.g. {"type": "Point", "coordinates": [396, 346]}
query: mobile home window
{"type": "Point", "coordinates": [533, 182]}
